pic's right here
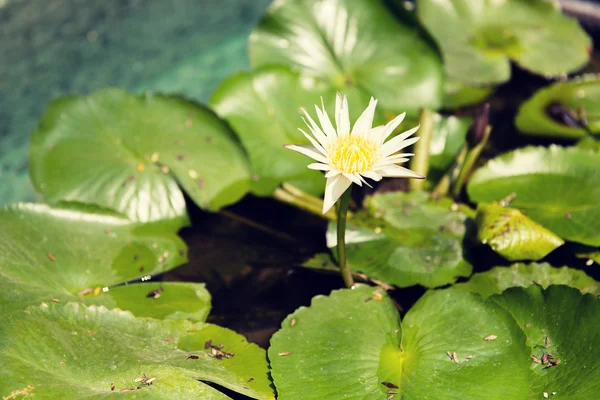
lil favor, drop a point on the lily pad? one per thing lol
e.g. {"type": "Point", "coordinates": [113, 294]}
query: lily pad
{"type": "Point", "coordinates": [557, 187]}
{"type": "Point", "coordinates": [129, 153]}
{"type": "Point", "coordinates": [478, 40]}
{"type": "Point", "coordinates": [264, 108]}
{"type": "Point", "coordinates": [562, 322]}
{"type": "Point", "coordinates": [579, 95]}
{"type": "Point", "coordinates": [406, 239]}
{"type": "Point", "coordinates": [73, 351]}
{"type": "Point", "coordinates": [457, 94]}
{"type": "Point", "coordinates": [498, 279]}
{"type": "Point", "coordinates": [514, 236]}
{"type": "Point", "coordinates": [351, 45]}
{"type": "Point", "coordinates": [352, 344]}
{"type": "Point", "coordinates": [59, 254]}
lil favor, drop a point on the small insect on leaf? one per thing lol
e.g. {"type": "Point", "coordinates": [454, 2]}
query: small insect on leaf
{"type": "Point", "coordinates": [207, 344]}
{"type": "Point", "coordinates": [468, 357]}
{"type": "Point", "coordinates": [454, 357]}
{"type": "Point", "coordinates": [149, 381]}
{"type": "Point", "coordinates": [155, 294]}
{"type": "Point", "coordinates": [191, 357]}
{"type": "Point", "coordinates": [112, 387]}
{"type": "Point", "coordinates": [250, 380]}
{"type": "Point", "coordinates": [54, 299]}
{"type": "Point", "coordinates": [285, 353]}
{"type": "Point", "coordinates": [535, 359]}
{"type": "Point", "coordinates": [293, 322]}
{"type": "Point", "coordinates": [490, 338]}
{"type": "Point", "coordinates": [51, 257]}
{"type": "Point", "coordinates": [389, 385]}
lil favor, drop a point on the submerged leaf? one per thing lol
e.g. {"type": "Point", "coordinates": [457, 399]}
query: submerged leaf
{"type": "Point", "coordinates": [511, 234]}
{"type": "Point", "coordinates": [351, 45]}
{"type": "Point", "coordinates": [477, 39]}
{"type": "Point", "coordinates": [498, 279]}
{"type": "Point", "coordinates": [557, 187]}
{"type": "Point", "coordinates": [129, 153]}
{"type": "Point", "coordinates": [579, 98]}
{"type": "Point", "coordinates": [406, 239]}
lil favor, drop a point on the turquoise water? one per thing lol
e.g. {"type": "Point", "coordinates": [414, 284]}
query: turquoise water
{"type": "Point", "coordinates": [50, 48]}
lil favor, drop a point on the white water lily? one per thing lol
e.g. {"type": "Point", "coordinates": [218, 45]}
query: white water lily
{"type": "Point", "coordinates": [349, 156]}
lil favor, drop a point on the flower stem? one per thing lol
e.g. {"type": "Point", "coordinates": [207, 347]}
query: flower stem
{"type": "Point", "coordinates": [470, 160]}
{"type": "Point", "coordinates": [342, 211]}
{"type": "Point", "coordinates": [420, 162]}
{"type": "Point", "coordinates": [442, 188]}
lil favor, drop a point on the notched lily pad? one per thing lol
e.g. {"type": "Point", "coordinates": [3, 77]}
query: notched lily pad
{"type": "Point", "coordinates": [351, 45]}
{"type": "Point", "coordinates": [514, 236]}
{"type": "Point", "coordinates": [73, 351]}
{"type": "Point", "coordinates": [76, 254]}
{"type": "Point", "coordinates": [129, 153]}
{"type": "Point", "coordinates": [563, 109]}
{"type": "Point", "coordinates": [477, 41]}
{"type": "Point", "coordinates": [557, 187]}
{"type": "Point", "coordinates": [406, 239]}
{"type": "Point", "coordinates": [498, 279]}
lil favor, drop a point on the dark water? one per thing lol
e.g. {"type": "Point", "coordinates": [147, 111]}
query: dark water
{"type": "Point", "coordinates": [50, 48]}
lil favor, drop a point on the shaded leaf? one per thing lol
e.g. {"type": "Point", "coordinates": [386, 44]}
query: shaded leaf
{"type": "Point", "coordinates": [351, 45]}
{"type": "Point", "coordinates": [557, 187]}
{"type": "Point", "coordinates": [579, 97]}
{"type": "Point", "coordinates": [478, 39]}
{"type": "Point", "coordinates": [406, 239]}
{"type": "Point", "coordinates": [72, 351]}
{"type": "Point", "coordinates": [448, 137]}
{"type": "Point", "coordinates": [563, 322]}
{"type": "Point", "coordinates": [363, 352]}
{"type": "Point", "coordinates": [457, 94]}
{"type": "Point", "coordinates": [54, 254]}
{"type": "Point", "coordinates": [498, 279]}
{"type": "Point", "coordinates": [128, 153]}
{"type": "Point", "coordinates": [511, 234]}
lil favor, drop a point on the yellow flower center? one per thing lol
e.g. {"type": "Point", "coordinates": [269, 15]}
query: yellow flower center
{"type": "Point", "coordinates": [353, 153]}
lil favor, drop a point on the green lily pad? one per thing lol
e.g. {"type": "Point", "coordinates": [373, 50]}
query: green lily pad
{"type": "Point", "coordinates": [498, 279]}
{"type": "Point", "coordinates": [457, 94]}
{"type": "Point", "coordinates": [57, 254]}
{"type": "Point", "coordinates": [351, 45]}
{"type": "Point", "coordinates": [477, 41]}
{"type": "Point", "coordinates": [514, 236]}
{"type": "Point", "coordinates": [129, 153]}
{"type": "Point", "coordinates": [406, 239]}
{"type": "Point", "coordinates": [264, 108]}
{"type": "Point", "coordinates": [449, 136]}
{"type": "Point", "coordinates": [73, 351]}
{"type": "Point", "coordinates": [559, 188]}
{"type": "Point", "coordinates": [563, 322]}
{"type": "Point", "coordinates": [580, 93]}
{"type": "Point", "coordinates": [589, 253]}
{"type": "Point", "coordinates": [352, 344]}
{"type": "Point", "coordinates": [589, 143]}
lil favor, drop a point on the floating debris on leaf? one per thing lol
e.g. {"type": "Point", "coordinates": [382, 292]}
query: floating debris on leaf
{"type": "Point", "coordinates": [389, 385]}
{"type": "Point", "coordinates": [141, 378]}
{"type": "Point", "coordinates": [285, 353]}
{"type": "Point", "coordinates": [112, 387]}
{"type": "Point", "coordinates": [155, 294]}
{"type": "Point", "coordinates": [468, 357]}
{"type": "Point", "coordinates": [535, 359]}
{"type": "Point", "coordinates": [191, 357]}
{"type": "Point", "coordinates": [293, 322]}
{"type": "Point", "coordinates": [490, 338]}
{"type": "Point", "coordinates": [51, 257]}
{"type": "Point", "coordinates": [250, 380]}
{"type": "Point", "coordinates": [207, 344]}
{"type": "Point", "coordinates": [54, 299]}
{"type": "Point", "coordinates": [169, 339]}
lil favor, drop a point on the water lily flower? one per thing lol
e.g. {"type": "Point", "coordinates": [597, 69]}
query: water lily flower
{"type": "Point", "coordinates": [349, 156]}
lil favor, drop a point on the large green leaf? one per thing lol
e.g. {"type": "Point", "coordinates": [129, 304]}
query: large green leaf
{"type": "Point", "coordinates": [54, 254]}
{"type": "Point", "coordinates": [450, 345]}
{"type": "Point", "coordinates": [581, 94]}
{"type": "Point", "coordinates": [498, 279]}
{"type": "Point", "coordinates": [351, 45]}
{"type": "Point", "coordinates": [556, 187]}
{"type": "Point", "coordinates": [478, 38]}
{"type": "Point", "coordinates": [348, 344]}
{"type": "Point", "coordinates": [264, 108]}
{"type": "Point", "coordinates": [510, 233]}
{"type": "Point", "coordinates": [563, 322]}
{"type": "Point", "coordinates": [406, 239]}
{"type": "Point", "coordinates": [128, 153]}
{"type": "Point", "coordinates": [73, 352]}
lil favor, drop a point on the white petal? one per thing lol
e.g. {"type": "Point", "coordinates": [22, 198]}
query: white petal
{"type": "Point", "coordinates": [319, 167]}
{"type": "Point", "coordinates": [376, 132]}
{"type": "Point", "coordinates": [314, 128]}
{"type": "Point", "coordinates": [372, 175]}
{"type": "Point", "coordinates": [395, 171]}
{"type": "Point", "coordinates": [342, 115]}
{"type": "Point", "coordinates": [364, 181]}
{"type": "Point", "coordinates": [332, 172]}
{"type": "Point", "coordinates": [307, 151]}
{"type": "Point", "coordinates": [316, 144]}
{"type": "Point", "coordinates": [364, 123]}
{"type": "Point", "coordinates": [325, 121]}
{"type": "Point", "coordinates": [393, 159]}
{"type": "Point", "coordinates": [390, 126]}
{"type": "Point", "coordinates": [334, 189]}
{"type": "Point", "coordinates": [396, 144]}
{"type": "Point", "coordinates": [353, 178]}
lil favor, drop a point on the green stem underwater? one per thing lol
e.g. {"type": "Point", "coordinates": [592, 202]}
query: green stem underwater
{"type": "Point", "coordinates": [470, 160]}
{"type": "Point", "coordinates": [342, 211]}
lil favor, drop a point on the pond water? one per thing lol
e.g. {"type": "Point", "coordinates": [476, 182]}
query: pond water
{"type": "Point", "coordinates": [50, 48]}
